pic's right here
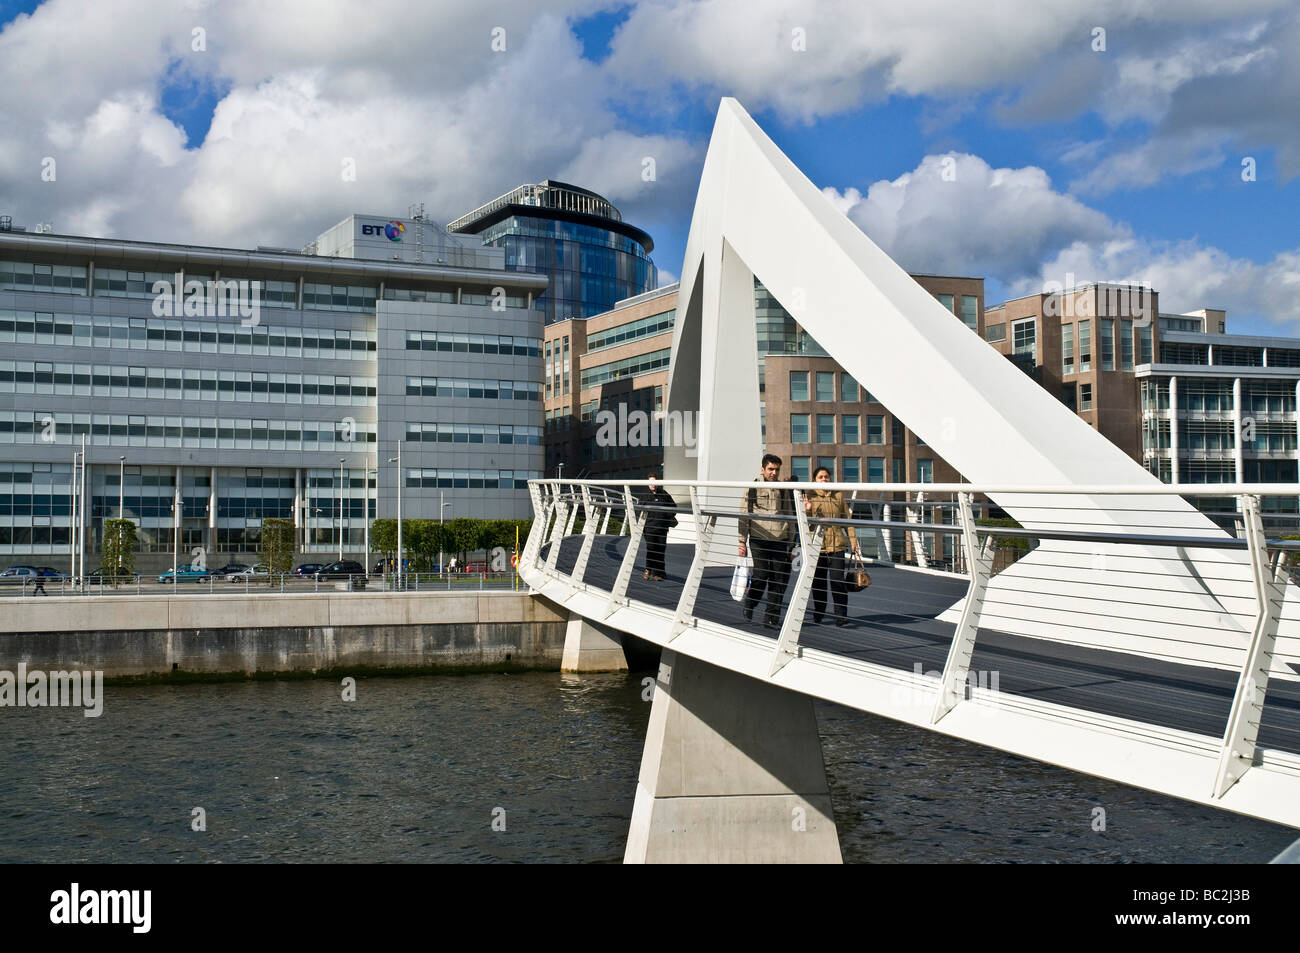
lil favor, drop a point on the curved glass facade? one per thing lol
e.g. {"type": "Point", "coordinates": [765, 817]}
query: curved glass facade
{"type": "Point", "coordinates": [590, 268]}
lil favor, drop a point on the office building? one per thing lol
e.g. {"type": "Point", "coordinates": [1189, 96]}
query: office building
{"type": "Point", "coordinates": [227, 386]}
{"type": "Point", "coordinates": [573, 236]}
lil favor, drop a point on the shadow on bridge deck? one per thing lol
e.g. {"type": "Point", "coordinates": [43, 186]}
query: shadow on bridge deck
{"type": "Point", "coordinates": [893, 624]}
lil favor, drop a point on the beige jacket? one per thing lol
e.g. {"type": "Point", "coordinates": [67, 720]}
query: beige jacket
{"type": "Point", "coordinates": [828, 504]}
{"type": "Point", "coordinates": [762, 499]}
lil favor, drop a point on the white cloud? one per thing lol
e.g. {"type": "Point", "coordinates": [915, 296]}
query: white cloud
{"type": "Point", "coordinates": [1012, 226]}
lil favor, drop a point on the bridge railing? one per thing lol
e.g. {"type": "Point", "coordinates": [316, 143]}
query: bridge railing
{"type": "Point", "coordinates": [1128, 569]}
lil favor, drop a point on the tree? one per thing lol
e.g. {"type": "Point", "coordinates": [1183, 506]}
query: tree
{"type": "Point", "coordinates": [118, 549]}
{"type": "Point", "coordinates": [277, 545]}
{"type": "Point", "coordinates": [383, 535]}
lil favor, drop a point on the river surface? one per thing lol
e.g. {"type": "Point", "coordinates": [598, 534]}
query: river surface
{"type": "Point", "coordinates": [537, 767]}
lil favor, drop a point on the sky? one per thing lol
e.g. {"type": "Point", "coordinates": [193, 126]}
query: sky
{"type": "Point", "coordinates": [1026, 143]}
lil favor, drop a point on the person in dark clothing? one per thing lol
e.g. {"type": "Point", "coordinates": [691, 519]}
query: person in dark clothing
{"type": "Point", "coordinates": [657, 525]}
{"type": "Point", "coordinates": [769, 539]}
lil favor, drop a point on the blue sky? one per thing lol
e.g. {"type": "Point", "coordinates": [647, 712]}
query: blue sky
{"type": "Point", "coordinates": [1117, 164]}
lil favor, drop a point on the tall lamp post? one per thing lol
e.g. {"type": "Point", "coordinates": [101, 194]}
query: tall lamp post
{"type": "Point", "coordinates": [441, 506]}
{"type": "Point", "coordinates": [398, 460]}
{"type": "Point", "coordinates": [342, 460]}
{"type": "Point", "coordinates": [121, 491]}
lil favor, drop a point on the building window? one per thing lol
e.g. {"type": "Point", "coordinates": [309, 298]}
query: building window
{"type": "Point", "coordinates": [1085, 397]}
{"type": "Point", "coordinates": [852, 469]}
{"type": "Point", "coordinates": [1107, 326]}
{"type": "Point", "coordinates": [876, 469]}
{"type": "Point", "coordinates": [825, 428]}
{"type": "Point", "coordinates": [799, 469]}
{"type": "Point", "coordinates": [1085, 346]}
{"type": "Point", "coordinates": [825, 386]}
{"type": "Point", "coordinates": [995, 332]}
{"type": "Point", "coordinates": [924, 471]}
{"type": "Point", "coordinates": [798, 385]}
{"type": "Point", "coordinates": [896, 432]}
{"type": "Point", "coordinates": [945, 300]}
{"type": "Point", "coordinates": [1126, 345]}
{"type": "Point", "coordinates": [799, 428]}
{"type": "Point", "coordinates": [875, 430]}
{"type": "Point", "coordinates": [898, 470]}
{"type": "Point", "coordinates": [970, 311]}
{"type": "Point", "coordinates": [1024, 338]}
{"type": "Point", "coordinates": [848, 389]}
{"type": "Point", "coordinates": [1067, 349]}
{"type": "Point", "coordinates": [849, 429]}
{"type": "Point", "coordinates": [1144, 344]}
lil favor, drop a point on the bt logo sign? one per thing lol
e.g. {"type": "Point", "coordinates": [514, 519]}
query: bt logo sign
{"type": "Point", "coordinates": [392, 231]}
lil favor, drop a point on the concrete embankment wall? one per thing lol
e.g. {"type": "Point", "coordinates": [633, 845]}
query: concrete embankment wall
{"type": "Point", "coordinates": [263, 634]}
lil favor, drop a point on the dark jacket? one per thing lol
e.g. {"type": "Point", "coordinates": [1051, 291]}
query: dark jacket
{"type": "Point", "coordinates": [658, 523]}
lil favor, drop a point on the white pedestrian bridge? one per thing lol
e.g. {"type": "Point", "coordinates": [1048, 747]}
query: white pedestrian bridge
{"type": "Point", "coordinates": [1131, 645]}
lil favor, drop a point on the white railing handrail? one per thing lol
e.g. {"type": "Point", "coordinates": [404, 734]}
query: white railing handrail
{"type": "Point", "coordinates": [1144, 489]}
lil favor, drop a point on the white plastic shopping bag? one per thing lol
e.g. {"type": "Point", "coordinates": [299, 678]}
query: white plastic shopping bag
{"type": "Point", "coordinates": [740, 578]}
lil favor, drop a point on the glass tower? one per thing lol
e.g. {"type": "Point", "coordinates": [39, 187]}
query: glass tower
{"type": "Point", "coordinates": [574, 237]}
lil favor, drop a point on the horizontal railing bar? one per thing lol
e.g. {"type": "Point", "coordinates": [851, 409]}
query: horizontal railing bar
{"type": "Point", "coordinates": [1145, 489]}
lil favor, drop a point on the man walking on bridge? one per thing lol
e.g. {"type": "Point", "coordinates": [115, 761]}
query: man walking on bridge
{"type": "Point", "coordinates": [770, 540]}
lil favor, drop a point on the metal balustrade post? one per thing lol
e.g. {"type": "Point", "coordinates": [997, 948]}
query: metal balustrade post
{"type": "Point", "coordinates": [558, 533]}
{"type": "Point", "coordinates": [636, 525]}
{"type": "Point", "coordinates": [604, 522]}
{"type": "Point", "coordinates": [886, 535]}
{"type": "Point", "coordinates": [1242, 731]}
{"type": "Point", "coordinates": [918, 545]}
{"type": "Point", "coordinates": [684, 616]}
{"type": "Point", "coordinates": [573, 516]}
{"type": "Point", "coordinates": [589, 527]}
{"type": "Point", "coordinates": [810, 542]}
{"type": "Point", "coordinates": [537, 531]}
{"type": "Point", "coordinates": [952, 684]}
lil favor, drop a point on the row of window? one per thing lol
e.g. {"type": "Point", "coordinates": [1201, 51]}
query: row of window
{"type": "Point", "coordinates": [557, 364]}
{"type": "Point", "coordinates": [632, 331]}
{"type": "Point", "coordinates": [627, 367]}
{"type": "Point", "coordinates": [473, 433]}
{"type": "Point", "coordinates": [472, 343]}
{"type": "Point", "coordinates": [149, 431]}
{"type": "Point", "coordinates": [824, 387]}
{"type": "Point", "coordinates": [969, 308]}
{"type": "Point", "coordinates": [850, 469]}
{"type": "Point", "coordinates": [462, 387]}
{"type": "Point", "coordinates": [174, 383]}
{"type": "Point", "coordinates": [801, 429]}
{"type": "Point", "coordinates": [26, 276]}
{"type": "Point", "coordinates": [470, 479]}
{"type": "Point", "coordinates": [172, 334]}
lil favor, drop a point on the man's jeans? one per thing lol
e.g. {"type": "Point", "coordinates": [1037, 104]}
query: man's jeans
{"type": "Point", "coordinates": [771, 572]}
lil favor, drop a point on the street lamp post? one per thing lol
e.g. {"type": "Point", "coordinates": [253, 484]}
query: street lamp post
{"type": "Point", "coordinates": [342, 460]}
{"type": "Point", "coordinates": [441, 506]}
{"type": "Point", "coordinates": [398, 460]}
{"type": "Point", "coordinates": [121, 491]}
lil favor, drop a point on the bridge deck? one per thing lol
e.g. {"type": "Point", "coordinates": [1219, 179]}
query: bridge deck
{"type": "Point", "coordinates": [893, 624]}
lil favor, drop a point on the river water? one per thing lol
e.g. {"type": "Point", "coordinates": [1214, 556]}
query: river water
{"type": "Point", "coordinates": [537, 767]}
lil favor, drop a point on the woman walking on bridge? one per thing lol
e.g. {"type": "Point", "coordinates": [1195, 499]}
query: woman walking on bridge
{"type": "Point", "coordinates": [828, 504]}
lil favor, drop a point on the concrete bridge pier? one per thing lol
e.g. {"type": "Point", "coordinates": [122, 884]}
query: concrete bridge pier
{"type": "Point", "coordinates": [732, 772]}
{"type": "Point", "coordinates": [589, 649]}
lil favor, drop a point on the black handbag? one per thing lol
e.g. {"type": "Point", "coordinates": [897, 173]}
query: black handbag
{"type": "Point", "coordinates": [856, 577]}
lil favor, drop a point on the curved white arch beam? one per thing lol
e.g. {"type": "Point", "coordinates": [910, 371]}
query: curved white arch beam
{"type": "Point", "coordinates": [757, 214]}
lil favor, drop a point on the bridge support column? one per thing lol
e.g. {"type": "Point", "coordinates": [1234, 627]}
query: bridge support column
{"type": "Point", "coordinates": [732, 772]}
{"type": "Point", "coordinates": [587, 649]}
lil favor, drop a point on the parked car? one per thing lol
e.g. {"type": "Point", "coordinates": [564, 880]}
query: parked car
{"type": "Point", "coordinates": [229, 568]}
{"type": "Point", "coordinates": [14, 571]}
{"type": "Point", "coordinates": [186, 574]}
{"type": "Point", "coordinates": [107, 574]}
{"type": "Point", "coordinates": [308, 569]}
{"type": "Point", "coordinates": [478, 566]}
{"type": "Point", "coordinates": [341, 570]}
{"type": "Point", "coordinates": [260, 571]}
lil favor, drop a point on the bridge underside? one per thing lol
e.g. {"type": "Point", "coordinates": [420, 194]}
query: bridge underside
{"type": "Point", "coordinates": [894, 624]}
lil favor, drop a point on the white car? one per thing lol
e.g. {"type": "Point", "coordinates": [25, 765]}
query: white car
{"type": "Point", "coordinates": [253, 573]}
